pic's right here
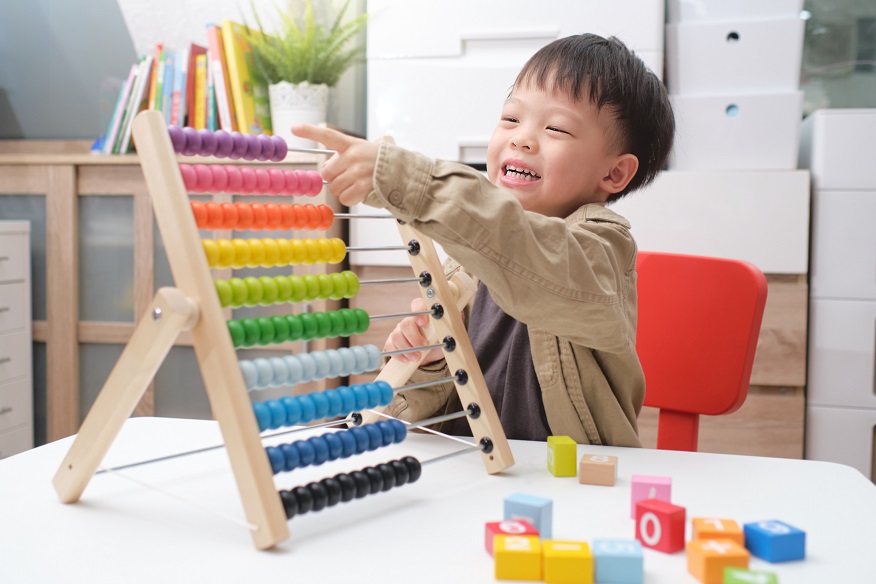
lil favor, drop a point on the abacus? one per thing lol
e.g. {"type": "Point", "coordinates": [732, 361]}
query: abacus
{"type": "Point", "coordinates": [196, 304]}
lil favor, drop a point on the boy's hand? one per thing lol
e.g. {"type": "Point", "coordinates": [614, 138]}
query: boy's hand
{"type": "Point", "coordinates": [410, 333]}
{"type": "Point", "coordinates": [350, 170]}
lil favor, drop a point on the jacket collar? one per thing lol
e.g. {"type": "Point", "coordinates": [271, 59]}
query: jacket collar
{"type": "Point", "coordinates": [596, 212]}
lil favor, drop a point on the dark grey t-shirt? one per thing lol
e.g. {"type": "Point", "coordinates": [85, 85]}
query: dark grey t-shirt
{"type": "Point", "coordinates": [501, 345]}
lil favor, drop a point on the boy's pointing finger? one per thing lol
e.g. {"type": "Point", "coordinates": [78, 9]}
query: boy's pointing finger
{"type": "Point", "coordinates": [332, 139]}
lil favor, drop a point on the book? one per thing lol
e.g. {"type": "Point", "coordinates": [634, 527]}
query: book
{"type": "Point", "coordinates": [212, 115]}
{"type": "Point", "coordinates": [138, 101]}
{"type": "Point", "coordinates": [191, 77]}
{"type": "Point", "coordinates": [153, 85]}
{"type": "Point", "coordinates": [180, 80]}
{"type": "Point", "coordinates": [115, 121]}
{"type": "Point", "coordinates": [199, 95]}
{"type": "Point", "coordinates": [242, 84]}
{"type": "Point", "coordinates": [219, 71]}
{"type": "Point", "coordinates": [167, 86]}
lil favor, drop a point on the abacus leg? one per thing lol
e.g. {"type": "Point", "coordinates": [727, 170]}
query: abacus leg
{"type": "Point", "coordinates": [170, 313]}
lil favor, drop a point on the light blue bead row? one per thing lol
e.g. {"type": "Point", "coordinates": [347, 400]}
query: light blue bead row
{"type": "Point", "coordinates": [293, 369]}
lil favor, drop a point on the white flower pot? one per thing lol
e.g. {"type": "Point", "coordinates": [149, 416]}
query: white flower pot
{"type": "Point", "coordinates": [293, 104]}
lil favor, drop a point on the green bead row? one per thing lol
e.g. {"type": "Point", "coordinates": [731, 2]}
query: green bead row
{"type": "Point", "coordinates": [267, 290]}
{"type": "Point", "coordinates": [268, 330]}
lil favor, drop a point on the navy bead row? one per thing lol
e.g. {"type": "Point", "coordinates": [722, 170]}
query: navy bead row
{"type": "Point", "coordinates": [334, 445]}
{"type": "Point", "coordinates": [331, 403]}
{"type": "Point", "coordinates": [344, 487]}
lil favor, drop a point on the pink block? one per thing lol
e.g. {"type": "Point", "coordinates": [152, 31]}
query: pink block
{"type": "Point", "coordinates": [648, 487]}
{"type": "Point", "coordinates": [507, 527]}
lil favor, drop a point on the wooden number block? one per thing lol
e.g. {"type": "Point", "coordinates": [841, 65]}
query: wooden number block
{"type": "Point", "coordinates": [597, 469]}
{"type": "Point", "coordinates": [647, 487]}
{"type": "Point", "coordinates": [567, 562]}
{"type": "Point", "coordinates": [518, 557]}
{"type": "Point", "coordinates": [660, 525]}
{"type": "Point", "coordinates": [740, 576]}
{"type": "Point", "coordinates": [713, 528]}
{"type": "Point", "coordinates": [538, 511]}
{"type": "Point", "coordinates": [707, 558]}
{"type": "Point", "coordinates": [775, 541]}
{"type": "Point", "coordinates": [511, 527]}
{"type": "Point", "coordinates": [561, 455]}
{"type": "Point", "coordinates": [619, 561]}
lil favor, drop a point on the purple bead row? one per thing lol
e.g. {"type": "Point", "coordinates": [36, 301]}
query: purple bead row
{"type": "Point", "coordinates": [221, 144]}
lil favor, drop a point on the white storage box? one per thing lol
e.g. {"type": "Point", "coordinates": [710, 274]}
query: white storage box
{"type": "Point", "coordinates": [842, 435]}
{"type": "Point", "coordinates": [742, 132]}
{"type": "Point", "coordinates": [844, 259]}
{"type": "Point", "coordinates": [760, 217]}
{"type": "Point", "coordinates": [710, 10]}
{"type": "Point", "coordinates": [839, 145]}
{"type": "Point", "coordinates": [842, 353]}
{"type": "Point", "coordinates": [757, 56]}
{"type": "Point", "coordinates": [423, 28]}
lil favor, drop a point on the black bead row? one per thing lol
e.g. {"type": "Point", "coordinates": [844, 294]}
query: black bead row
{"type": "Point", "coordinates": [345, 487]}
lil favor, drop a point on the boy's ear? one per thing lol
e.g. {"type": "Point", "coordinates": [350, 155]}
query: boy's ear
{"type": "Point", "coordinates": [621, 173]}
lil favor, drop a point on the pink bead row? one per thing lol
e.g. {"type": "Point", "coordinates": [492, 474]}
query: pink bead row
{"type": "Point", "coordinates": [244, 180]}
{"type": "Point", "coordinates": [221, 144]}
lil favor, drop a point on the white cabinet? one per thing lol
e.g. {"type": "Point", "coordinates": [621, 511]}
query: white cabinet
{"type": "Point", "coordinates": [839, 147]}
{"type": "Point", "coordinates": [16, 371]}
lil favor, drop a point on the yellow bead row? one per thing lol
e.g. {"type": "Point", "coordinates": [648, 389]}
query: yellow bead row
{"type": "Point", "coordinates": [268, 253]}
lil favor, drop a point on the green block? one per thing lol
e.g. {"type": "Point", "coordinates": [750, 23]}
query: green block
{"type": "Point", "coordinates": [562, 456]}
{"type": "Point", "coordinates": [740, 576]}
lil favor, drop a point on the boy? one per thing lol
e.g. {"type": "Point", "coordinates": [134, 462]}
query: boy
{"type": "Point", "coordinates": [554, 318]}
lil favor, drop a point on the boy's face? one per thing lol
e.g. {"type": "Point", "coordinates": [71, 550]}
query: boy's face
{"type": "Point", "coordinates": [551, 152]}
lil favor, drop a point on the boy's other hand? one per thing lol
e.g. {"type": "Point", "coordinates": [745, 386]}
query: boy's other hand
{"type": "Point", "coordinates": [350, 170]}
{"type": "Point", "coordinates": [411, 332]}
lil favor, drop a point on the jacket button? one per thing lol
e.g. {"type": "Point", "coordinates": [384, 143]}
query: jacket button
{"type": "Point", "coordinates": [395, 197]}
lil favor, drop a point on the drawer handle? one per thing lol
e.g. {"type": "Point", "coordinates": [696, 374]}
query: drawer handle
{"type": "Point", "coordinates": [4, 309]}
{"type": "Point", "coordinates": [5, 410]}
{"type": "Point", "coordinates": [5, 360]}
{"type": "Point", "coordinates": [4, 258]}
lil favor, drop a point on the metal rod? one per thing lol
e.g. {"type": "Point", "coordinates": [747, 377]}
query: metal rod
{"type": "Point", "coordinates": [474, 448]}
{"type": "Point", "coordinates": [311, 150]}
{"type": "Point", "coordinates": [362, 216]}
{"type": "Point", "coordinates": [412, 350]}
{"type": "Point", "coordinates": [399, 315]}
{"type": "Point", "coordinates": [424, 384]}
{"type": "Point", "coordinates": [390, 281]}
{"type": "Point", "coordinates": [380, 248]}
{"type": "Point", "coordinates": [439, 419]}
{"type": "Point", "coordinates": [355, 419]}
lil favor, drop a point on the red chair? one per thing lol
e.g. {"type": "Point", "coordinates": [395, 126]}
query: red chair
{"type": "Point", "coordinates": [699, 319]}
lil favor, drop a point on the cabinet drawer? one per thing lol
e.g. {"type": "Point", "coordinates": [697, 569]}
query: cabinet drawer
{"type": "Point", "coordinates": [15, 356]}
{"type": "Point", "coordinates": [843, 435]}
{"type": "Point", "coordinates": [16, 441]}
{"type": "Point", "coordinates": [14, 262]}
{"type": "Point", "coordinates": [14, 313]}
{"type": "Point", "coordinates": [16, 404]}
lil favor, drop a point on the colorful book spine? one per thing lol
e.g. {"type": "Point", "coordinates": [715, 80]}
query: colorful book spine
{"type": "Point", "coordinates": [180, 79]}
{"type": "Point", "coordinates": [167, 86]}
{"type": "Point", "coordinates": [156, 91]}
{"type": "Point", "coordinates": [118, 112]}
{"type": "Point", "coordinates": [194, 52]}
{"type": "Point", "coordinates": [212, 114]}
{"type": "Point", "coordinates": [137, 102]}
{"type": "Point", "coordinates": [199, 100]}
{"type": "Point", "coordinates": [237, 50]}
{"type": "Point", "coordinates": [153, 81]}
{"type": "Point", "coordinates": [219, 72]}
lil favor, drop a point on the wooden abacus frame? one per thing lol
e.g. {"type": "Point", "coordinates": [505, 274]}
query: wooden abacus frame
{"type": "Point", "coordinates": [194, 305]}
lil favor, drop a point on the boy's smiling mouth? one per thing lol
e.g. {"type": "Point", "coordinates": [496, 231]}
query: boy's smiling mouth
{"type": "Point", "coordinates": [515, 171]}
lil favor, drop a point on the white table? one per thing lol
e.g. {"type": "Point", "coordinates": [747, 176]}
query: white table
{"type": "Point", "coordinates": [430, 531]}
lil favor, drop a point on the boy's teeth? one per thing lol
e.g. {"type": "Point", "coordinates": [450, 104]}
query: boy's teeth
{"type": "Point", "coordinates": [515, 172]}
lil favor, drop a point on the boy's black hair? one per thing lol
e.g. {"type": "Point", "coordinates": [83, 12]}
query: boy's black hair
{"type": "Point", "coordinates": [609, 75]}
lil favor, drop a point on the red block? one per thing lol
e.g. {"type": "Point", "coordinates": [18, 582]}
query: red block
{"type": "Point", "coordinates": [507, 527]}
{"type": "Point", "coordinates": [660, 525]}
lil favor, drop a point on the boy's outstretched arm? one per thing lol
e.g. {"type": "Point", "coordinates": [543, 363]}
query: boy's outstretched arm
{"type": "Point", "coordinates": [350, 171]}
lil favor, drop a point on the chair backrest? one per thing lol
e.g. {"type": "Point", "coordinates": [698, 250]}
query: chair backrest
{"type": "Point", "coordinates": [699, 320]}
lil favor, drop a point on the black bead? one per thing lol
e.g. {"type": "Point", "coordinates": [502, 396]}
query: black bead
{"type": "Point", "coordinates": [401, 472]}
{"type": "Point", "coordinates": [388, 475]}
{"type": "Point", "coordinates": [363, 485]}
{"type": "Point", "coordinates": [425, 279]}
{"type": "Point", "coordinates": [290, 503]}
{"type": "Point", "coordinates": [348, 487]}
{"type": "Point", "coordinates": [437, 311]}
{"type": "Point", "coordinates": [415, 469]}
{"type": "Point", "coordinates": [333, 489]}
{"type": "Point", "coordinates": [375, 478]}
{"type": "Point", "coordinates": [319, 496]}
{"type": "Point", "coordinates": [305, 499]}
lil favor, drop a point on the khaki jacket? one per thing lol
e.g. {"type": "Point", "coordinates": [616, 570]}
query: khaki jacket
{"type": "Point", "coordinates": [571, 281]}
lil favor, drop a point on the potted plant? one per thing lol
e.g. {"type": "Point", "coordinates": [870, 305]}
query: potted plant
{"type": "Point", "coordinates": [300, 62]}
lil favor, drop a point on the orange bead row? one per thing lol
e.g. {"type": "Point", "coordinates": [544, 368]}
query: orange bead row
{"type": "Point", "coordinates": [258, 216]}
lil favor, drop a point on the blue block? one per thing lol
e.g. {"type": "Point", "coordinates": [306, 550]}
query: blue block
{"type": "Point", "coordinates": [775, 541]}
{"type": "Point", "coordinates": [538, 511]}
{"type": "Point", "coordinates": [618, 561]}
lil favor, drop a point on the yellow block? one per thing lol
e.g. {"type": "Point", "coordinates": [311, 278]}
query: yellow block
{"type": "Point", "coordinates": [518, 557]}
{"type": "Point", "coordinates": [707, 558]}
{"type": "Point", "coordinates": [567, 562]}
{"type": "Point", "coordinates": [714, 528]}
{"type": "Point", "coordinates": [562, 456]}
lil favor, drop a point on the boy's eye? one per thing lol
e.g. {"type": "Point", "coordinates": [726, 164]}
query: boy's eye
{"type": "Point", "coordinates": [556, 129]}
{"type": "Point", "coordinates": [511, 119]}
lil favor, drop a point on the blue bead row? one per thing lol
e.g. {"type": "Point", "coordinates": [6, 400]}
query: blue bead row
{"type": "Point", "coordinates": [293, 369]}
{"type": "Point", "coordinates": [334, 445]}
{"type": "Point", "coordinates": [331, 403]}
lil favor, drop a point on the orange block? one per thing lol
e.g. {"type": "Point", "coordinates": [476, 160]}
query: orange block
{"type": "Point", "coordinates": [707, 558]}
{"type": "Point", "coordinates": [597, 469]}
{"type": "Point", "coordinates": [714, 528]}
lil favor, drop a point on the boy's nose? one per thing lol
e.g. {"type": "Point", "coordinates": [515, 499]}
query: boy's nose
{"type": "Point", "coordinates": [523, 141]}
